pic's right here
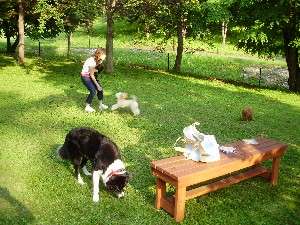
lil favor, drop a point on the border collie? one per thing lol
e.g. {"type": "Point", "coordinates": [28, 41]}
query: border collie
{"type": "Point", "coordinates": [83, 144]}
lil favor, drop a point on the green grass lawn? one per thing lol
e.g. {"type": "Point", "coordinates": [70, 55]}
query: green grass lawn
{"type": "Point", "coordinates": [42, 101]}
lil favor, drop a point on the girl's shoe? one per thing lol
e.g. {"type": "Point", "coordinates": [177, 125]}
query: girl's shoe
{"type": "Point", "coordinates": [89, 109]}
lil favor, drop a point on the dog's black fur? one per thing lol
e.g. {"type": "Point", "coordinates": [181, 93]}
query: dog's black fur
{"type": "Point", "coordinates": [83, 144]}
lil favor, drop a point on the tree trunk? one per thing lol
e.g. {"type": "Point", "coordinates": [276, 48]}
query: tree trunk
{"type": "Point", "coordinates": [224, 33]}
{"type": "Point", "coordinates": [291, 53]}
{"type": "Point", "coordinates": [8, 45]}
{"type": "Point", "coordinates": [69, 36]}
{"type": "Point", "coordinates": [10, 48]}
{"type": "Point", "coordinates": [291, 56]}
{"type": "Point", "coordinates": [14, 45]}
{"type": "Point", "coordinates": [21, 33]}
{"type": "Point", "coordinates": [109, 36]}
{"type": "Point", "coordinates": [180, 37]}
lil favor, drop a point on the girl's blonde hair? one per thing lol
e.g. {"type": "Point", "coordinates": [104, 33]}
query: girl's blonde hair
{"type": "Point", "coordinates": [98, 54]}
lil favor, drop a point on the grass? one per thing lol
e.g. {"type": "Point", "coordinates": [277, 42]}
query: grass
{"type": "Point", "coordinates": [42, 101]}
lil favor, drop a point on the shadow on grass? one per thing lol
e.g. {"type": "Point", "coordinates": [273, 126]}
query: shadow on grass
{"type": "Point", "coordinates": [13, 211]}
{"type": "Point", "coordinates": [6, 60]}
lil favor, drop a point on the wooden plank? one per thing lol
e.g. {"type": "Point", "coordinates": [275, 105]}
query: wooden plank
{"type": "Point", "coordinates": [245, 151]}
{"type": "Point", "coordinates": [168, 205]}
{"type": "Point", "coordinates": [261, 146]}
{"type": "Point", "coordinates": [175, 165]}
{"type": "Point", "coordinates": [161, 162]}
{"type": "Point", "coordinates": [197, 177]}
{"type": "Point", "coordinates": [225, 182]}
{"type": "Point", "coordinates": [188, 165]}
{"type": "Point", "coordinates": [275, 171]}
{"type": "Point", "coordinates": [160, 192]}
{"type": "Point", "coordinates": [164, 176]}
{"type": "Point", "coordinates": [180, 197]}
{"type": "Point", "coordinates": [267, 147]}
{"type": "Point", "coordinates": [241, 144]}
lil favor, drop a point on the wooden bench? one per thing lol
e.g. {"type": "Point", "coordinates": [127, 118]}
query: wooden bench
{"type": "Point", "coordinates": [185, 174]}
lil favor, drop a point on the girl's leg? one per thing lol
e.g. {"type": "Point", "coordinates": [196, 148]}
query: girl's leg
{"type": "Point", "coordinates": [88, 83]}
{"type": "Point", "coordinates": [100, 98]}
{"type": "Point", "coordinates": [100, 95]}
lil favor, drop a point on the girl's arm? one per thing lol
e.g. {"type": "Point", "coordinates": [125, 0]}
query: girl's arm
{"type": "Point", "coordinates": [92, 71]}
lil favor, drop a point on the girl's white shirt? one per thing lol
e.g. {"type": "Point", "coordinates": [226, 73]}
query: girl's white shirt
{"type": "Point", "coordinates": [90, 62]}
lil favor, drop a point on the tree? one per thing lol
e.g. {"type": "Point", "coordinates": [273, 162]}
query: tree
{"type": "Point", "coordinates": [9, 24]}
{"type": "Point", "coordinates": [10, 13]}
{"type": "Point", "coordinates": [217, 12]}
{"type": "Point", "coordinates": [271, 27]}
{"type": "Point", "coordinates": [76, 13]}
{"type": "Point", "coordinates": [168, 17]}
{"type": "Point", "coordinates": [110, 5]}
{"type": "Point", "coordinates": [67, 15]}
{"type": "Point", "coordinates": [21, 33]}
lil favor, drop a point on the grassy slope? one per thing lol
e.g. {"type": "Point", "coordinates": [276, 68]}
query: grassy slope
{"type": "Point", "coordinates": [41, 102]}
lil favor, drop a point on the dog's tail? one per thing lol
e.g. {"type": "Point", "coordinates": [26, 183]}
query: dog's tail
{"type": "Point", "coordinates": [62, 153]}
{"type": "Point", "coordinates": [133, 97]}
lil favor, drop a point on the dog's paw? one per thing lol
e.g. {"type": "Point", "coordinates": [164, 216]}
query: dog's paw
{"type": "Point", "coordinates": [81, 182]}
{"type": "Point", "coordinates": [114, 107]}
{"type": "Point", "coordinates": [120, 195]}
{"type": "Point", "coordinates": [95, 198]}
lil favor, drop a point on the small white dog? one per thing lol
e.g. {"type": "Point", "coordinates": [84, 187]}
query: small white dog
{"type": "Point", "coordinates": [123, 101]}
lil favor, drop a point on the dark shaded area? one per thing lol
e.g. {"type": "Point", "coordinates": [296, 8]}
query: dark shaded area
{"type": "Point", "coordinates": [12, 211]}
{"type": "Point", "coordinates": [4, 61]}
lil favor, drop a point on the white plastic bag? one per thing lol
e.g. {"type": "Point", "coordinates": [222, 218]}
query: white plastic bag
{"type": "Point", "coordinates": [198, 146]}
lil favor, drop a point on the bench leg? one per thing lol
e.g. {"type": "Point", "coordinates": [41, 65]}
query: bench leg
{"type": "Point", "coordinates": [160, 192]}
{"type": "Point", "coordinates": [275, 170]}
{"type": "Point", "coordinates": [180, 197]}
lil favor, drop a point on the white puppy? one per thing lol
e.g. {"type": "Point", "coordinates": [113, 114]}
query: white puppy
{"type": "Point", "coordinates": [123, 102]}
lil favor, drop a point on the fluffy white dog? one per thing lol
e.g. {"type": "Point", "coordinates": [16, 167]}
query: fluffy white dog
{"type": "Point", "coordinates": [123, 102]}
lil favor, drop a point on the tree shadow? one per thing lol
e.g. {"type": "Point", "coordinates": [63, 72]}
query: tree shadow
{"type": "Point", "coordinates": [6, 61]}
{"type": "Point", "coordinates": [13, 211]}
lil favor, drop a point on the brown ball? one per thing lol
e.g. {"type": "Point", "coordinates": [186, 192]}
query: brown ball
{"type": "Point", "coordinates": [247, 114]}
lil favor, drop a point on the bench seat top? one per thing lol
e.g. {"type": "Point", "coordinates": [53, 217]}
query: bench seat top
{"type": "Point", "coordinates": [190, 172]}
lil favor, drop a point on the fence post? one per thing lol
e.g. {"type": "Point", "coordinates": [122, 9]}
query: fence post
{"type": "Point", "coordinates": [259, 77]}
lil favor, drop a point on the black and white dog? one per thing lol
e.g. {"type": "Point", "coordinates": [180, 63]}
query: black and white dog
{"type": "Point", "coordinates": [83, 144]}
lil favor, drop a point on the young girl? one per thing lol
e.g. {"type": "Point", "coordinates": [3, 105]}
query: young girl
{"type": "Point", "coordinates": [89, 80]}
